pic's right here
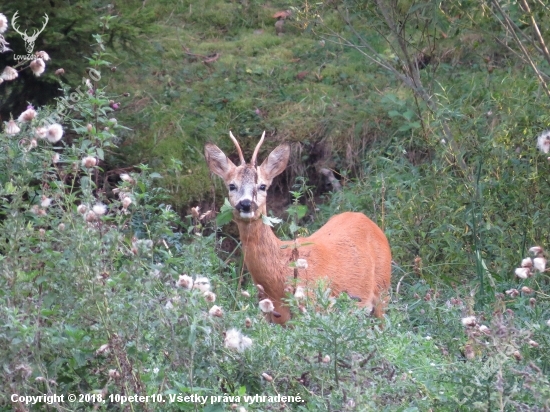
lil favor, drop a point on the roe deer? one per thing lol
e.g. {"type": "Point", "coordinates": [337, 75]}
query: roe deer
{"type": "Point", "coordinates": [350, 251]}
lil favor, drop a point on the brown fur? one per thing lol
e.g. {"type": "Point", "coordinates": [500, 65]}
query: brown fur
{"type": "Point", "coordinates": [350, 251]}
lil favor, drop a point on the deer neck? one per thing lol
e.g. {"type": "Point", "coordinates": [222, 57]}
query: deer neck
{"type": "Point", "coordinates": [263, 255]}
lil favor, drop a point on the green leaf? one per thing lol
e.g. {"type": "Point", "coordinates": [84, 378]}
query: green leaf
{"type": "Point", "coordinates": [293, 227]}
{"type": "Point", "coordinates": [226, 213]}
{"type": "Point", "coordinates": [301, 211]}
{"type": "Point", "coordinates": [409, 114]}
{"type": "Point", "coordinates": [270, 221]}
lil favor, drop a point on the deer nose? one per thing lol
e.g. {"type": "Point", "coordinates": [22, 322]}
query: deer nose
{"type": "Point", "coordinates": [244, 206]}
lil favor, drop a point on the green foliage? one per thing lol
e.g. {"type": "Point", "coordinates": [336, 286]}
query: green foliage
{"type": "Point", "coordinates": [102, 303]}
{"type": "Point", "coordinates": [68, 38]}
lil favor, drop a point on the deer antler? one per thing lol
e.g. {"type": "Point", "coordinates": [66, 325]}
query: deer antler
{"type": "Point", "coordinates": [241, 157]}
{"type": "Point", "coordinates": [25, 35]}
{"type": "Point", "coordinates": [13, 20]}
{"type": "Point", "coordinates": [256, 150]}
{"type": "Point", "coordinates": [36, 32]}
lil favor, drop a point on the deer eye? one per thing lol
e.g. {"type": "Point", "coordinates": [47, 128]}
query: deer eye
{"type": "Point", "coordinates": [263, 187]}
{"type": "Point", "coordinates": [232, 187]}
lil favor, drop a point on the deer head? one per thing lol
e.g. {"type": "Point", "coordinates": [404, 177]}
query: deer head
{"type": "Point", "coordinates": [247, 183]}
{"type": "Point", "coordinates": [29, 40]}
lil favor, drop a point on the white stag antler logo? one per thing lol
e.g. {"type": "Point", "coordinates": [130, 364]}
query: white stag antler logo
{"type": "Point", "coordinates": [29, 40]}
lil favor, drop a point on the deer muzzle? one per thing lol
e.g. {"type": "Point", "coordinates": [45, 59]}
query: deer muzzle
{"type": "Point", "coordinates": [246, 208]}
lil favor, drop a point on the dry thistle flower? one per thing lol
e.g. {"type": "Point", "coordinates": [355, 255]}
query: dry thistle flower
{"type": "Point", "coordinates": [45, 201]}
{"type": "Point", "coordinates": [99, 209]}
{"type": "Point", "coordinates": [246, 342]}
{"type": "Point", "coordinates": [539, 263]}
{"type": "Point", "coordinates": [469, 321]}
{"type": "Point", "coordinates": [210, 296]}
{"type": "Point", "coordinates": [248, 322]}
{"type": "Point", "coordinates": [548, 323]}
{"type": "Point", "coordinates": [3, 23]}
{"type": "Point", "coordinates": [300, 293]}
{"type": "Point", "coordinates": [102, 349]}
{"type": "Point", "coordinates": [522, 273]}
{"type": "Point", "coordinates": [33, 144]}
{"type": "Point", "coordinates": [60, 72]}
{"type": "Point", "coordinates": [81, 209]}
{"type": "Point", "coordinates": [42, 55]}
{"type": "Point", "coordinates": [114, 374]}
{"type": "Point", "coordinates": [25, 370]}
{"type": "Point", "coordinates": [9, 73]}
{"type": "Point", "coordinates": [41, 132]}
{"type": "Point", "coordinates": [267, 377]}
{"type": "Point", "coordinates": [216, 311]}
{"type": "Point", "coordinates": [526, 263]}
{"type": "Point", "coordinates": [127, 201]}
{"type": "Point", "coordinates": [54, 133]}
{"type": "Point", "coordinates": [27, 115]}
{"type": "Point", "coordinates": [536, 250]}
{"type": "Point", "coordinates": [517, 355]}
{"type": "Point", "coordinates": [90, 216]}
{"type": "Point", "coordinates": [301, 263]}
{"type": "Point", "coordinates": [12, 128]}
{"type": "Point", "coordinates": [61, 227]}
{"type": "Point", "coordinates": [235, 340]}
{"type": "Point", "coordinates": [532, 302]}
{"type": "Point", "coordinates": [185, 282]}
{"type": "Point", "coordinates": [326, 359]}
{"type": "Point", "coordinates": [125, 177]}
{"type": "Point", "coordinates": [245, 293]}
{"type": "Point", "coordinates": [533, 344]}
{"type": "Point", "coordinates": [38, 67]}
{"type": "Point", "coordinates": [202, 283]}
{"type": "Point", "coordinates": [89, 161]}
{"type": "Point", "coordinates": [543, 141]}
{"type": "Point", "coordinates": [484, 329]}
{"type": "Point", "coordinates": [266, 306]}
{"type": "Point", "coordinates": [232, 339]}
{"type": "Point", "coordinates": [512, 293]}
{"type": "Point", "coordinates": [55, 158]}
{"type": "Point", "coordinates": [526, 290]}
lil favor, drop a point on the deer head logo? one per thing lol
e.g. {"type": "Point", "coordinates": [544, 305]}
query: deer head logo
{"type": "Point", "coordinates": [29, 40]}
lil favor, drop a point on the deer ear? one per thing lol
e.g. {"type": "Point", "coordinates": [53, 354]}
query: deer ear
{"type": "Point", "coordinates": [276, 161]}
{"type": "Point", "coordinates": [218, 162]}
